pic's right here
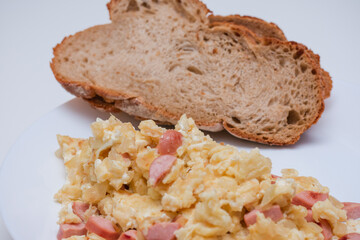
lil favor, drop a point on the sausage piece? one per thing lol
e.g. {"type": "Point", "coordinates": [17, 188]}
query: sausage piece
{"type": "Point", "coordinates": [79, 208]}
{"type": "Point", "coordinates": [160, 167]}
{"type": "Point", "coordinates": [128, 235]}
{"type": "Point", "coordinates": [351, 236]}
{"type": "Point", "coordinates": [326, 229]}
{"type": "Point", "coordinates": [352, 210]}
{"type": "Point", "coordinates": [162, 231]}
{"type": "Point", "coordinates": [67, 230]}
{"type": "Point", "coordinates": [169, 142]}
{"type": "Point", "coordinates": [309, 216]}
{"type": "Point", "coordinates": [274, 213]}
{"type": "Point", "coordinates": [308, 198]}
{"type": "Point", "coordinates": [102, 227]}
{"type": "Point", "coordinates": [250, 217]}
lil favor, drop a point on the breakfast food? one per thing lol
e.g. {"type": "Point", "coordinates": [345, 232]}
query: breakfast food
{"type": "Point", "coordinates": [154, 183]}
{"type": "Point", "coordinates": [160, 59]}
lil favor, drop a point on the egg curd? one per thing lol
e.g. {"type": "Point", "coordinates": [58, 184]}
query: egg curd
{"type": "Point", "coordinates": [208, 191]}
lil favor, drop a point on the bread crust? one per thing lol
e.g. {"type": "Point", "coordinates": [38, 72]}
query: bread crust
{"type": "Point", "coordinates": [260, 27]}
{"type": "Point", "coordinates": [109, 100]}
{"type": "Point", "coordinates": [99, 103]}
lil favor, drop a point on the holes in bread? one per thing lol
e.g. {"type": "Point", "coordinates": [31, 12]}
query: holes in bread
{"type": "Point", "coordinates": [236, 120]}
{"type": "Point", "coordinates": [298, 54]}
{"type": "Point", "coordinates": [205, 39]}
{"type": "Point", "coordinates": [293, 117]}
{"type": "Point", "coordinates": [303, 67]}
{"type": "Point", "coordinates": [85, 60]}
{"type": "Point", "coordinates": [179, 7]}
{"type": "Point", "coordinates": [286, 50]}
{"type": "Point", "coordinates": [229, 125]}
{"type": "Point", "coordinates": [133, 6]}
{"type": "Point", "coordinates": [296, 72]}
{"type": "Point", "coordinates": [172, 67]}
{"type": "Point", "coordinates": [306, 112]}
{"type": "Point", "coordinates": [282, 62]}
{"type": "Point", "coordinates": [194, 69]}
{"type": "Point", "coordinates": [268, 128]}
{"type": "Point", "coordinates": [272, 101]}
{"type": "Point", "coordinates": [267, 41]}
{"type": "Point", "coordinates": [313, 72]}
{"type": "Point", "coordinates": [145, 4]}
{"type": "Point", "coordinates": [66, 59]}
{"type": "Point", "coordinates": [149, 11]}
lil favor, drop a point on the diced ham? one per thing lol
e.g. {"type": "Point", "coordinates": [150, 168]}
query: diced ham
{"type": "Point", "coordinates": [351, 236]}
{"type": "Point", "coordinates": [352, 210]}
{"type": "Point", "coordinates": [274, 213]}
{"type": "Point", "coordinates": [309, 216]}
{"type": "Point", "coordinates": [79, 208]}
{"type": "Point", "coordinates": [102, 227]}
{"type": "Point", "coordinates": [160, 167]}
{"type": "Point", "coordinates": [68, 230]}
{"type": "Point", "coordinates": [128, 235]}
{"type": "Point", "coordinates": [250, 217]}
{"type": "Point", "coordinates": [162, 231]}
{"type": "Point", "coordinates": [169, 142]}
{"type": "Point", "coordinates": [326, 229]}
{"type": "Point", "coordinates": [308, 198]}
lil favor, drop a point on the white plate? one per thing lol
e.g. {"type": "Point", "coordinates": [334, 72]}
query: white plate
{"type": "Point", "coordinates": [31, 174]}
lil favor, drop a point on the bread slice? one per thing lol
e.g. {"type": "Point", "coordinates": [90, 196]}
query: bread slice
{"type": "Point", "coordinates": [270, 30]}
{"type": "Point", "coordinates": [258, 26]}
{"type": "Point", "coordinates": [162, 58]}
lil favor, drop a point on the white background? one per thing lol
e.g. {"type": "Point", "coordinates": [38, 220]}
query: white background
{"type": "Point", "coordinates": [30, 29]}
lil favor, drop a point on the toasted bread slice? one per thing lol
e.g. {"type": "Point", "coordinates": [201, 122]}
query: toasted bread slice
{"type": "Point", "coordinates": [159, 59]}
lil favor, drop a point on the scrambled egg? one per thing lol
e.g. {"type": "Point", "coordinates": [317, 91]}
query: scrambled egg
{"type": "Point", "coordinates": [210, 187]}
